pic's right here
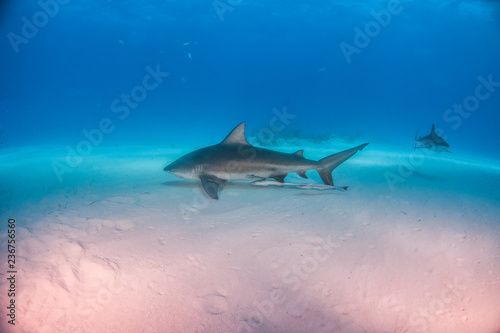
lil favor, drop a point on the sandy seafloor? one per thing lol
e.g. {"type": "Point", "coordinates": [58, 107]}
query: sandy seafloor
{"type": "Point", "coordinates": [121, 246]}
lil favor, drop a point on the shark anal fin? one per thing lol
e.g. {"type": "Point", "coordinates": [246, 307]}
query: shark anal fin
{"type": "Point", "coordinates": [302, 174]}
{"type": "Point", "coordinates": [280, 178]}
{"type": "Point", "coordinates": [212, 185]}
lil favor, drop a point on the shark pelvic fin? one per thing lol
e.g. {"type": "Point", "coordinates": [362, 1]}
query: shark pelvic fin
{"type": "Point", "coordinates": [302, 174]}
{"type": "Point", "coordinates": [212, 185]}
{"type": "Point", "coordinates": [237, 136]}
{"type": "Point", "coordinates": [329, 163]}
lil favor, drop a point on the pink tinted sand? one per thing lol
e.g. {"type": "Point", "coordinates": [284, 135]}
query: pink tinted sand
{"type": "Point", "coordinates": [120, 246]}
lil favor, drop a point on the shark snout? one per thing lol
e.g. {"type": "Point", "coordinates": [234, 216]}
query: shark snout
{"type": "Point", "coordinates": [173, 168]}
{"type": "Point", "coordinates": [169, 168]}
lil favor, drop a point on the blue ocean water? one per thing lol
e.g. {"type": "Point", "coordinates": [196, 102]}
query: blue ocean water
{"type": "Point", "coordinates": [98, 96]}
{"type": "Point", "coordinates": [172, 73]}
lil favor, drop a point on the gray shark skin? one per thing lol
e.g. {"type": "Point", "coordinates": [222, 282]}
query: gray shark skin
{"type": "Point", "coordinates": [235, 159]}
{"type": "Point", "coordinates": [432, 141]}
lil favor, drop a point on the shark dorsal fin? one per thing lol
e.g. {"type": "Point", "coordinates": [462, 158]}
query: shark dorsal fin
{"type": "Point", "coordinates": [433, 131]}
{"type": "Point", "coordinates": [299, 153]}
{"type": "Point", "coordinates": [237, 136]}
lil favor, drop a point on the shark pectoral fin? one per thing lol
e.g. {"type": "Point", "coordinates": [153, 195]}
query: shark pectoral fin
{"type": "Point", "coordinates": [302, 174]}
{"type": "Point", "coordinates": [280, 178]}
{"type": "Point", "coordinates": [211, 185]}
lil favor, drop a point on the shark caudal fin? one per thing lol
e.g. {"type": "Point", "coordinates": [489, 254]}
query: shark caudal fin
{"type": "Point", "coordinates": [329, 163]}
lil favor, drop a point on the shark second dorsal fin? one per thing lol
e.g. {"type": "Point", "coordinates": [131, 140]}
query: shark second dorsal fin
{"type": "Point", "coordinates": [237, 136]}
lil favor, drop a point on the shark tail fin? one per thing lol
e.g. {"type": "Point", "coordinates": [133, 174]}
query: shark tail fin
{"type": "Point", "coordinates": [329, 163]}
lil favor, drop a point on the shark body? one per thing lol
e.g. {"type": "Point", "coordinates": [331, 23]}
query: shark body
{"type": "Point", "coordinates": [432, 141]}
{"type": "Point", "coordinates": [235, 159]}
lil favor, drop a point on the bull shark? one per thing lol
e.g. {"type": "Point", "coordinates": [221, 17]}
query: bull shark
{"type": "Point", "coordinates": [234, 159]}
{"type": "Point", "coordinates": [431, 141]}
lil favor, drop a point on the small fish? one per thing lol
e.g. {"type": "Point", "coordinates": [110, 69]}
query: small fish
{"type": "Point", "coordinates": [189, 55]}
{"type": "Point", "coordinates": [186, 44]}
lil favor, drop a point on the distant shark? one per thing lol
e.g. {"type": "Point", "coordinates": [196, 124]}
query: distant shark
{"type": "Point", "coordinates": [235, 159]}
{"type": "Point", "coordinates": [432, 141]}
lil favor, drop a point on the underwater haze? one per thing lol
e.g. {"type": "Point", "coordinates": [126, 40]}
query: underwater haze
{"type": "Point", "coordinates": [379, 70]}
{"type": "Point", "coordinates": [349, 214]}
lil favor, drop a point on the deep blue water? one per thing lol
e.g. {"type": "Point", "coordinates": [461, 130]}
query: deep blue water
{"type": "Point", "coordinates": [367, 70]}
